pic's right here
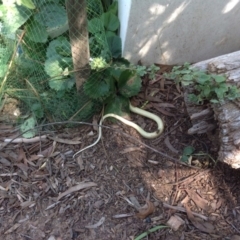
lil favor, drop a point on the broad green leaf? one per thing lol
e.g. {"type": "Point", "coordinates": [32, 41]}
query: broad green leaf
{"type": "Point", "coordinates": [13, 17]}
{"type": "Point", "coordinates": [62, 83]}
{"type": "Point", "coordinates": [220, 92]}
{"type": "Point", "coordinates": [40, 3]}
{"type": "Point", "coordinates": [52, 67]}
{"type": "Point", "coordinates": [28, 3]}
{"type": "Point", "coordinates": [219, 78]}
{"type": "Point", "coordinates": [214, 101]}
{"type": "Point", "coordinates": [141, 70]}
{"type": "Point", "coordinates": [193, 98]}
{"type": "Point", "coordinates": [118, 105]}
{"type": "Point", "coordinates": [171, 76]}
{"type": "Point", "coordinates": [184, 158]}
{"type": "Point", "coordinates": [233, 93]}
{"type": "Point", "coordinates": [188, 150]}
{"type": "Point", "coordinates": [60, 47]}
{"type": "Point", "coordinates": [176, 68]}
{"type": "Point", "coordinates": [37, 110]}
{"type": "Point", "coordinates": [111, 21]}
{"type": "Point", "coordinates": [3, 70]}
{"type": "Point", "coordinates": [125, 76]}
{"type": "Point", "coordinates": [186, 65]}
{"type": "Point", "coordinates": [95, 87]}
{"type": "Point", "coordinates": [132, 87]}
{"type": "Point", "coordinates": [113, 8]}
{"type": "Point", "coordinates": [110, 34]}
{"type": "Point", "coordinates": [95, 25]}
{"type": "Point", "coordinates": [60, 80]}
{"type": "Point", "coordinates": [206, 91]}
{"type": "Point", "coordinates": [185, 71]}
{"type": "Point", "coordinates": [28, 126]}
{"type": "Point", "coordinates": [203, 78]}
{"type": "Point", "coordinates": [36, 32]}
{"type": "Point", "coordinates": [187, 77]}
{"type": "Point", "coordinates": [115, 46]}
{"type": "Point", "coordinates": [51, 15]}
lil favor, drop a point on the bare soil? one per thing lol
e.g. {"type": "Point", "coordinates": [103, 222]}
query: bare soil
{"type": "Point", "coordinates": [46, 194]}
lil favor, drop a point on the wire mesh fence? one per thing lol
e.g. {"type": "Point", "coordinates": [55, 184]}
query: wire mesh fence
{"type": "Point", "coordinates": [37, 67]}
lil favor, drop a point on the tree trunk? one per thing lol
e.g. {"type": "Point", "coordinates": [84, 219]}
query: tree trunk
{"type": "Point", "coordinates": [78, 33]}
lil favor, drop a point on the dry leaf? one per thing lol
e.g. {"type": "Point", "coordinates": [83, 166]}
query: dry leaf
{"type": "Point", "coordinates": [200, 202]}
{"type": "Point", "coordinates": [169, 145]}
{"type": "Point", "coordinates": [130, 149]}
{"type": "Point", "coordinates": [21, 155]}
{"type": "Point", "coordinates": [175, 222]}
{"type": "Point", "coordinates": [161, 110]}
{"type": "Point", "coordinates": [146, 210]}
{"type": "Point", "coordinates": [4, 161]}
{"type": "Point", "coordinates": [99, 223]}
{"type": "Point", "coordinates": [48, 151]}
{"type": "Point", "coordinates": [76, 188]}
{"type": "Point", "coordinates": [202, 226]}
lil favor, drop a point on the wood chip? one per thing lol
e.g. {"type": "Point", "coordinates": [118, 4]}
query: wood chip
{"type": "Point", "coordinates": [13, 228]}
{"type": "Point", "coordinates": [200, 202]}
{"type": "Point", "coordinates": [99, 223]}
{"type": "Point", "coordinates": [76, 188]}
{"type": "Point", "coordinates": [175, 222]}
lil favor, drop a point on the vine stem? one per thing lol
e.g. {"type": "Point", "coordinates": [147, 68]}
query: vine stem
{"type": "Point", "coordinates": [11, 61]}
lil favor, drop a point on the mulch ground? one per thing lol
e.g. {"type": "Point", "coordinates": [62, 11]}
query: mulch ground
{"type": "Point", "coordinates": [123, 186]}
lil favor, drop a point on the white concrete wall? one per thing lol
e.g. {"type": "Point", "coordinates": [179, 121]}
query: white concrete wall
{"type": "Point", "coordinates": [178, 31]}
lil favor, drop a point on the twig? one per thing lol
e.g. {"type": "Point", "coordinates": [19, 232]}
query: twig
{"type": "Point", "coordinates": [175, 160]}
{"type": "Point", "coordinates": [8, 174]}
{"type": "Point", "coordinates": [11, 62]}
{"type": "Point", "coordinates": [189, 179]}
{"type": "Point", "coordinates": [181, 209]}
{"type": "Point", "coordinates": [25, 140]}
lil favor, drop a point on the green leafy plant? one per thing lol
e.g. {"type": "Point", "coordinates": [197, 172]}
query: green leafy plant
{"type": "Point", "coordinates": [143, 70]}
{"type": "Point", "coordinates": [113, 85]}
{"type": "Point", "coordinates": [105, 28]}
{"type": "Point", "coordinates": [211, 87]}
{"type": "Point", "coordinates": [187, 153]}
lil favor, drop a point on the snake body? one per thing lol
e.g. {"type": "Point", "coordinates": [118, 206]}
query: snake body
{"type": "Point", "coordinates": [143, 133]}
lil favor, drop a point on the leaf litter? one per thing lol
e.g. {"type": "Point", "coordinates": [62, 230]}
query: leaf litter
{"type": "Point", "coordinates": [45, 193]}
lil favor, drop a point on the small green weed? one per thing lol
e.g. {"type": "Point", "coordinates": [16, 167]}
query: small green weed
{"type": "Point", "coordinates": [143, 70]}
{"type": "Point", "coordinates": [187, 153]}
{"type": "Point", "coordinates": [211, 87]}
{"type": "Point", "coordinates": [154, 229]}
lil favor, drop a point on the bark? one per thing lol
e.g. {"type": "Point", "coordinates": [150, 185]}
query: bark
{"type": "Point", "coordinates": [78, 33]}
{"type": "Point", "coordinates": [227, 114]}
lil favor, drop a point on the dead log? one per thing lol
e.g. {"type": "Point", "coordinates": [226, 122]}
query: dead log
{"type": "Point", "coordinates": [226, 114]}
